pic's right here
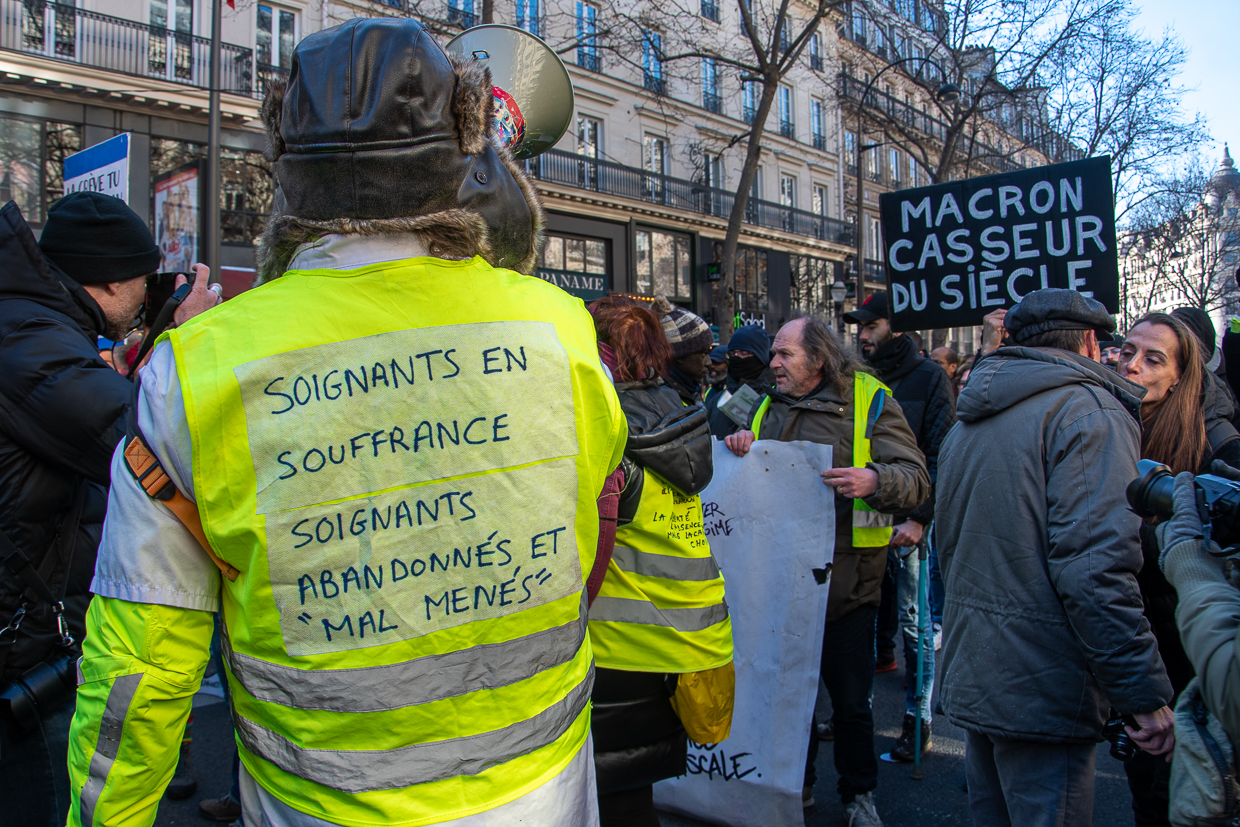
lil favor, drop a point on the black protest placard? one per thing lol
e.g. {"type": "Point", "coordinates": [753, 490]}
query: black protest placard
{"type": "Point", "coordinates": [957, 251]}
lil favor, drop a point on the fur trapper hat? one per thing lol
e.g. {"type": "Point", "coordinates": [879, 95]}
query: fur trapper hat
{"type": "Point", "coordinates": [378, 131]}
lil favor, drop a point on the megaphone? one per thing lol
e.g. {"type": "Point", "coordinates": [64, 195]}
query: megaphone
{"type": "Point", "coordinates": [533, 91]}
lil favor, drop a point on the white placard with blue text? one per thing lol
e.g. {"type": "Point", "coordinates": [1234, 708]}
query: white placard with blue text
{"type": "Point", "coordinates": [771, 523]}
{"type": "Point", "coordinates": [103, 168]}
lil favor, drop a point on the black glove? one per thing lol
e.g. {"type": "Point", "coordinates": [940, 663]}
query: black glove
{"type": "Point", "coordinates": [1221, 469]}
{"type": "Point", "coordinates": [1185, 522]}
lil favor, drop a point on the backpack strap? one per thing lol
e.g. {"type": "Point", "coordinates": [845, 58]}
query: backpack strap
{"type": "Point", "coordinates": [608, 511]}
{"type": "Point", "coordinates": [155, 481]}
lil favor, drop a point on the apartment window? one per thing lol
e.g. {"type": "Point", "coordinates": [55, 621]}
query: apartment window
{"type": "Point", "coordinates": [654, 160]}
{"type": "Point", "coordinates": [787, 125]}
{"type": "Point", "coordinates": [174, 20]}
{"type": "Point", "coordinates": [710, 10]}
{"type": "Point", "coordinates": [652, 62]}
{"type": "Point", "coordinates": [749, 100]}
{"type": "Point", "coordinates": [32, 162]}
{"type": "Point", "coordinates": [817, 123]}
{"type": "Point", "coordinates": [787, 191]}
{"type": "Point", "coordinates": [589, 145]}
{"type": "Point", "coordinates": [663, 264]}
{"type": "Point", "coordinates": [710, 86]}
{"type": "Point", "coordinates": [785, 39]}
{"type": "Point", "coordinates": [587, 33]}
{"type": "Point", "coordinates": [873, 244]}
{"type": "Point", "coordinates": [811, 280]}
{"type": "Point", "coordinates": [751, 283]}
{"type": "Point", "coordinates": [899, 45]}
{"type": "Point", "coordinates": [880, 40]}
{"type": "Point", "coordinates": [912, 171]}
{"type": "Point", "coordinates": [819, 203]}
{"type": "Point", "coordinates": [858, 24]}
{"type": "Point", "coordinates": [529, 16]}
{"type": "Point", "coordinates": [815, 52]}
{"type": "Point", "coordinates": [896, 166]}
{"type": "Point", "coordinates": [917, 54]}
{"type": "Point", "coordinates": [874, 165]}
{"type": "Point", "coordinates": [461, 13]}
{"type": "Point", "coordinates": [850, 151]}
{"type": "Point", "coordinates": [276, 36]}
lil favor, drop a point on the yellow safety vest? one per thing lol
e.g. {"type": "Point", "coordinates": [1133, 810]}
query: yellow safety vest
{"type": "Point", "coordinates": [402, 460]}
{"type": "Point", "coordinates": [870, 528]}
{"type": "Point", "coordinates": [661, 607]}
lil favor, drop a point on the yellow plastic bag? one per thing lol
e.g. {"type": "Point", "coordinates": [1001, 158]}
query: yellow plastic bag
{"type": "Point", "coordinates": [703, 702]}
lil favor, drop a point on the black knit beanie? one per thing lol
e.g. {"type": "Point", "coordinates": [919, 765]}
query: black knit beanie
{"type": "Point", "coordinates": [97, 239]}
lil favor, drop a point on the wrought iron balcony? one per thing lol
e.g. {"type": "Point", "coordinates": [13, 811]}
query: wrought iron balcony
{"type": "Point", "coordinates": [712, 102]}
{"type": "Point", "coordinates": [788, 129]}
{"type": "Point", "coordinates": [820, 141]}
{"type": "Point", "coordinates": [64, 33]}
{"type": "Point", "coordinates": [654, 83]}
{"type": "Point", "coordinates": [609, 178]}
{"type": "Point", "coordinates": [748, 114]}
{"type": "Point", "coordinates": [815, 62]}
{"type": "Point", "coordinates": [588, 59]}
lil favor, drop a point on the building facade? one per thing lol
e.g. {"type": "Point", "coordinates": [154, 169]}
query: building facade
{"type": "Point", "coordinates": [638, 191]}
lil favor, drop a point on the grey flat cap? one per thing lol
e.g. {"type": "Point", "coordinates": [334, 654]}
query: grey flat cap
{"type": "Point", "coordinates": [1056, 309]}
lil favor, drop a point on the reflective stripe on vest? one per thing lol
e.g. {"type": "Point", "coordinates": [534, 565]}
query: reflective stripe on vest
{"type": "Point", "coordinates": [870, 528]}
{"type": "Point", "coordinates": [661, 607]}
{"type": "Point", "coordinates": [412, 531]}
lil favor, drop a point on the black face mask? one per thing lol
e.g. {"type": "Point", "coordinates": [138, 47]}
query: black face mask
{"type": "Point", "coordinates": [745, 368]}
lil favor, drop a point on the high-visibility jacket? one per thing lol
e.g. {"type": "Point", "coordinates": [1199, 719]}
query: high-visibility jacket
{"type": "Point", "coordinates": [402, 460]}
{"type": "Point", "coordinates": [870, 529]}
{"type": "Point", "coordinates": [661, 607]}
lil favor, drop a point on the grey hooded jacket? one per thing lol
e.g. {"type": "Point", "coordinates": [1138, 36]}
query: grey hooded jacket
{"type": "Point", "coordinates": [1043, 624]}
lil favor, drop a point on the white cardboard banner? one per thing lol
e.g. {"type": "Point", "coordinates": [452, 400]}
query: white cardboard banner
{"type": "Point", "coordinates": [771, 522]}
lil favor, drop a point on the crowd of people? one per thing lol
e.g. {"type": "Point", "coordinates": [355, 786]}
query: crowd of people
{"type": "Point", "coordinates": [168, 506]}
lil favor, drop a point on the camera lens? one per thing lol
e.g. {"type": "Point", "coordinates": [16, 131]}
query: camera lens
{"type": "Point", "coordinates": [1150, 495]}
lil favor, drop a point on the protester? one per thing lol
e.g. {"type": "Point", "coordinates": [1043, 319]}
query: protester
{"type": "Point", "coordinates": [641, 650]}
{"type": "Point", "coordinates": [1043, 626]}
{"type": "Point", "coordinates": [1208, 614]}
{"type": "Point", "coordinates": [64, 410]}
{"type": "Point", "coordinates": [749, 359]}
{"type": "Point", "coordinates": [820, 393]}
{"type": "Point", "coordinates": [351, 705]}
{"type": "Point", "coordinates": [949, 361]}
{"type": "Point", "coordinates": [717, 370]}
{"type": "Point", "coordinates": [924, 392]}
{"type": "Point", "coordinates": [691, 342]}
{"type": "Point", "coordinates": [1109, 348]}
{"type": "Point", "coordinates": [1183, 412]}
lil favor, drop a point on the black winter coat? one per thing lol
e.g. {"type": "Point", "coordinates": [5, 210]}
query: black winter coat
{"type": "Point", "coordinates": [720, 424]}
{"type": "Point", "coordinates": [637, 737]}
{"type": "Point", "coordinates": [61, 415]}
{"type": "Point", "coordinates": [929, 404]}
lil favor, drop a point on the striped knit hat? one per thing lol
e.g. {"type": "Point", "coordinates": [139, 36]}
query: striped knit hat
{"type": "Point", "coordinates": [686, 332]}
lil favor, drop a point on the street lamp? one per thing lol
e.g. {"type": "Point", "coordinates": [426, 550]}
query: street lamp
{"type": "Point", "coordinates": [947, 93]}
{"type": "Point", "coordinates": [839, 291]}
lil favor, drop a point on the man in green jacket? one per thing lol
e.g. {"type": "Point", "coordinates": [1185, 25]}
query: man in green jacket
{"type": "Point", "coordinates": [816, 383]}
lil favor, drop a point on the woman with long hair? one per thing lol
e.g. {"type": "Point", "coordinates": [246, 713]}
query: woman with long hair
{"type": "Point", "coordinates": [652, 662]}
{"type": "Point", "coordinates": [1181, 405]}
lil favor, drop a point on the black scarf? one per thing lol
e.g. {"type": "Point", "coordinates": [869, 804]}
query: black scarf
{"type": "Point", "coordinates": [746, 369]}
{"type": "Point", "coordinates": [891, 356]}
{"type": "Point", "coordinates": [681, 382]}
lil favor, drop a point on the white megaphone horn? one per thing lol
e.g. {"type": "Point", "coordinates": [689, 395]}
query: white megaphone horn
{"type": "Point", "coordinates": [533, 91]}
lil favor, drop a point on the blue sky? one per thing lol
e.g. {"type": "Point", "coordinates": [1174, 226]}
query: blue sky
{"type": "Point", "coordinates": [1209, 28]}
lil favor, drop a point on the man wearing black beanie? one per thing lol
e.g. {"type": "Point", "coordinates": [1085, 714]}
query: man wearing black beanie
{"type": "Point", "coordinates": [64, 411]}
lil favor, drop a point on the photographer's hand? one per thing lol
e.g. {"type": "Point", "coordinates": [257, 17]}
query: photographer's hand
{"type": "Point", "coordinates": [1185, 522]}
{"type": "Point", "coordinates": [1157, 731]}
{"type": "Point", "coordinates": [201, 296]}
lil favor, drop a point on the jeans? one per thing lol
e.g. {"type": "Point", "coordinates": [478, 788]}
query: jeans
{"type": "Point", "coordinates": [938, 591]}
{"type": "Point", "coordinates": [906, 601]}
{"type": "Point", "coordinates": [888, 609]}
{"type": "Point", "coordinates": [1029, 783]}
{"type": "Point", "coordinates": [34, 772]}
{"type": "Point", "coordinates": [847, 669]}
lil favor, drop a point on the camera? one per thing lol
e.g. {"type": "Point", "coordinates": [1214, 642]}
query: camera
{"type": "Point", "coordinates": [1150, 495]}
{"type": "Point", "coordinates": [40, 690]}
{"type": "Point", "coordinates": [1123, 748]}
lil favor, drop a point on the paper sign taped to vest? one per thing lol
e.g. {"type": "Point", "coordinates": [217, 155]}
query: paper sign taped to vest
{"type": "Point", "coordinates": [403, 564]}
{"type": "Point", "coordinates": [349, 418]}
{"type": "Point", "coordinates": [770, 522]}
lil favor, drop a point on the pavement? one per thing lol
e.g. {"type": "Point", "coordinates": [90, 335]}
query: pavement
{"type": "Point", "coordinates": [936, 801]}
